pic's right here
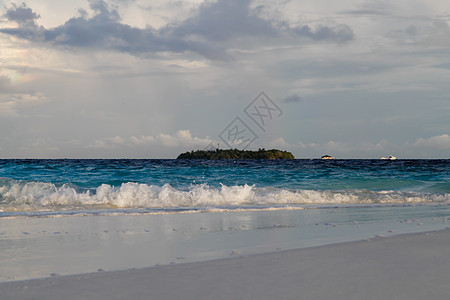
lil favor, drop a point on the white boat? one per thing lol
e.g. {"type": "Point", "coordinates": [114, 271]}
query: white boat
{"type": "Point", "coordinates": [391, 157]}
{"type": "Point", "coordinates": [328, 157]}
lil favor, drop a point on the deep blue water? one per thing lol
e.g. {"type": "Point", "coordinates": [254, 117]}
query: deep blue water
{"type": "Point", "coordinates": [55, 185]}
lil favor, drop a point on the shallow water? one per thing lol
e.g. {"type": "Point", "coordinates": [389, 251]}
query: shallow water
{"type": "Point", "coordinates": [43, 247]}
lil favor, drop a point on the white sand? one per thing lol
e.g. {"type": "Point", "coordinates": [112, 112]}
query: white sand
{"type": "Point", "coordinates": [414, 266]}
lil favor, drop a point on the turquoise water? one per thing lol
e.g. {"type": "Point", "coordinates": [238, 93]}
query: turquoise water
{"type": "Point", "coordinates": [138, 213]}
{"type": "Point", "coordinates": [40, 187]}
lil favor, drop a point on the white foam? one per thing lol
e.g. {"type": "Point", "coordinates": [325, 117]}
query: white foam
{"type": "Point", "coordinates": [18, 195]}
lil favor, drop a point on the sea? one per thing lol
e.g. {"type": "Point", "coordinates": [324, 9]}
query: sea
{"type": "Point", "coordinates": [73, 216]}
{"type": "Point", "coordinates": [73, 187]}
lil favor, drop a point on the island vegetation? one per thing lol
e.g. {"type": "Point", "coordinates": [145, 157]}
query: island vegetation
{"type": "Point", "coordinates": [236, 154]}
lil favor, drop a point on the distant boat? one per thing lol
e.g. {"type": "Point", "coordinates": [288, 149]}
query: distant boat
{"type": "Point", "coordinates": [328, 157]}
{"type": "Point", "coordinates": [391, 157]}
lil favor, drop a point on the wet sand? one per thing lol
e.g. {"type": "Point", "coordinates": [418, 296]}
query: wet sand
{"type": "Point", "coordinates": [412, 266]}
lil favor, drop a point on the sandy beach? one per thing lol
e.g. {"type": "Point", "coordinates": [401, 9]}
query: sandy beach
{"type": "Point", "coordinates": [40, 247]}
{"type": "Point", "coordinates": [411, 266]}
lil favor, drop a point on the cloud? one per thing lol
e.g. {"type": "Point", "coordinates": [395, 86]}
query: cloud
{"type": "Point", "coordinates": [117, 140]}
{"type": "Point", "coordinates": [331, 146]}
{"type": "Point", "coordinates": [347, 149]}
{"type": "Point", "coordinates": [13, 99]}
{"type": "Point", "coordinates": [142, 140]}
{"type": "Point", "coordinates": [105, 31]}
{"type": "Point", "coordinates": [422, 147]}
{"type": "Point", "coordinates": [367, 11]}
{"type": "Point", "coordinates": [370, 7]}
{"type": "Point", "coordinates": [5, 84]}
{"type": "Point", "coordinates": [227, 20]}
{"type": "Point", "coordinates": [22, 15]}
{"type": "Point", "coordinates": [167, 144]}
{"type": "Point", "coordinates": [293, 99]}
{"type": "Point", "coordinates": [380, 147]}
{"type": "Point", "coordinates": [25, 19]}
{"type": "Point", "coordinates": [224, 20]}
{"type": "Point", "coordinates": [441, 142]}
{"type": "Point", "coordinates": [183, 138]}
{"type": "Point", "coordinates": [340, 34]}
{"type": "Point", "coordinates": [279, 143]}
{"type": "Point", "coordinates": [99, 144]}
{"type": "Point", "coordinates": [439, 34]}
{"type": "Point", "coordinates": [210, 33]}
{"type": "Point", "coordinates": [411, 31]}
{"type": "Point", "coordinates": [106, 143]}
{"type": "Point", "coordinates": [11, 103]}
{"type": "Point", "coordinates": [429, 33]}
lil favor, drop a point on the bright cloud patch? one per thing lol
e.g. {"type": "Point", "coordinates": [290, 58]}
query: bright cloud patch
{"type": "Point", "coordinates": [436, 142]}
{"type": "Point", "coordinates": [182, 138]}
{"type": "Point", "coordinates": [10, 104]}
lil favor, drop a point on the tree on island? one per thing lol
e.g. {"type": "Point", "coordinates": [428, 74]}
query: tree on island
{"type": "Point", "coordinates": [236, 154]}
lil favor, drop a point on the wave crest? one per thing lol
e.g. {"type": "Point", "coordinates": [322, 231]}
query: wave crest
{"type": "Point", "coordinates": [19, 195]}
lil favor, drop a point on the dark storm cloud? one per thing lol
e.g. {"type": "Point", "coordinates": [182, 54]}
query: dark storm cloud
{"type": "Point", "coordinates": [224, 20]}
{"type": "Point", "coordinates": [104, 30]}
{"type": "Point", "coordinates": [25, 18]}
{"type": "Point", "coordinates": [96, 31]}
{"type": "Point", "coordinates": [21, 14]}
{"type": "Point", "coordinates": [206, 34]}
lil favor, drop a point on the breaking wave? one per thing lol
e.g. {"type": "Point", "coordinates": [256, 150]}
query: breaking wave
{"type": "Point", "coordinates": [21, 195]}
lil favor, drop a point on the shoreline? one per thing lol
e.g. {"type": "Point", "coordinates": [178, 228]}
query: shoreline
{"type": "Point", "coordinates": [118, 211]}
{"type": "Point", "coordinates": [34, 248]}
{"type": "Point", "coordinates": [404, 266]}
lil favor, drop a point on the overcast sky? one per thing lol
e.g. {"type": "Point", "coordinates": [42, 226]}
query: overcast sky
{"type": "Point", "coordinates": [151, 79]}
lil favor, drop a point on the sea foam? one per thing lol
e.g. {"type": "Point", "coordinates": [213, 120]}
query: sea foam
{"type": "Point", "coordinates": [21, 195]}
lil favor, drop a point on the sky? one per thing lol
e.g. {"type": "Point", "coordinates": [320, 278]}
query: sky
{"type": "Point", "coordinates": [152, 79]}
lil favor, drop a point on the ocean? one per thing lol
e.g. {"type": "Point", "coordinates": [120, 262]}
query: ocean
{"type": "Point", "coordinates": [61, 217]}
{"type": "Point", "coordinates": [122, 186]}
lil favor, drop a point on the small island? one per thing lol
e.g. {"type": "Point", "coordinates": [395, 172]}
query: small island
{"type": "Point", "coordinates": [236, 154]}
